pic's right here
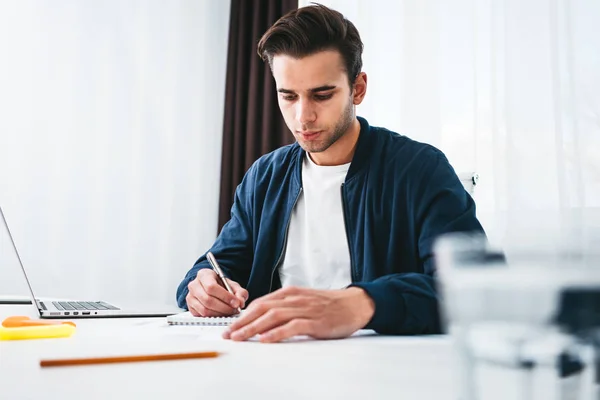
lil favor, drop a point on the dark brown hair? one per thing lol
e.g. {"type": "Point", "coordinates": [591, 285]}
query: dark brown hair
{"type": "Point", "coordinates": [311, 29]}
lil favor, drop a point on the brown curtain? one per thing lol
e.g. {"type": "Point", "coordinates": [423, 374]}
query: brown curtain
{"type": "Point", "coordinates": [253, 124]}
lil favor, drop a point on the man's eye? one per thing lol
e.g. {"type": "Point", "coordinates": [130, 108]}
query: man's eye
{"type": "Point", "coordinates": [289, 98]}
{"type": "Point", "coordinates": [323, 96]}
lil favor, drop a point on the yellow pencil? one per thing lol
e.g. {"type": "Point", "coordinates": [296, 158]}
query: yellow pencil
{"type": "Point", "coordinates": [125, 359]}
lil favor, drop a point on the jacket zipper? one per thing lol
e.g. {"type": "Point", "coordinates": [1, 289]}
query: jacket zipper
{"type": "Point", "coordinates": [287, 228]}
{"type": "Point", "coordinates": [352, 270]}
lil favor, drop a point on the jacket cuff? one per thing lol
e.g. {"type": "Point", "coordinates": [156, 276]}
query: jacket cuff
{"type": "Point", "coordinates": [389, 307]}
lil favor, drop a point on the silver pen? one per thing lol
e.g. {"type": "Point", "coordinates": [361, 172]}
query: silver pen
{"type": "Point", "coordinates": [215, 266]}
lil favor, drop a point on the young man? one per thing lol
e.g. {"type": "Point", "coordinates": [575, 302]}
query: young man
{"type": "Point", "coordinates": [333, 233]}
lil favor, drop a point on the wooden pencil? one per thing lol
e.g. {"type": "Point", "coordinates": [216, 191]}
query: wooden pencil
{"type": "Point", "coordinates": [126, 359]}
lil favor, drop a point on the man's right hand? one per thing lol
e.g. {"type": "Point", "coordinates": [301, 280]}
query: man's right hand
{"type": "Point", "coordinates": [208, 298]}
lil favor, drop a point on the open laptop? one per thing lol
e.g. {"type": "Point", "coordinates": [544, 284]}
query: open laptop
{"type": "Point", "coordinates": [80, 308]}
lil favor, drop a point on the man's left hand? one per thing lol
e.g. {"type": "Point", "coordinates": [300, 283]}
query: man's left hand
{"type": "Point", "coordinates": [291, 311]}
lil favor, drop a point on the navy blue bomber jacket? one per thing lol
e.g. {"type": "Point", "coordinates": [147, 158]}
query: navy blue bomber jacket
{"type": "Point", "coordinates": [399, 195]}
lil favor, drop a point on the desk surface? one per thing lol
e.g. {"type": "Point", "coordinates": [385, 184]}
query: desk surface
{"type": "Point", "coordinates": [360, 367]}
{"type": "Point", "coordinates": [363, 367]}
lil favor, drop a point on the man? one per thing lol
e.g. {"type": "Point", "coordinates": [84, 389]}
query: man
{"type": "Point", "coordinates": [333, 233]}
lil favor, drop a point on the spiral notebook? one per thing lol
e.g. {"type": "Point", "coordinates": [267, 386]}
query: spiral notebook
{"type": "Point", "coordinates": [187, 318]}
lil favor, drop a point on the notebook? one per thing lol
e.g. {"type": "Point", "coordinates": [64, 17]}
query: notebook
{"type": "Point", "coordinates": [187, 318]}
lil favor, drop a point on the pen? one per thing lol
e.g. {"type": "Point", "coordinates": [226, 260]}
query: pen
{"type": "Point", "coordinates": [215, 266]}
{"type": "Point", "coordinates": [110, 360]}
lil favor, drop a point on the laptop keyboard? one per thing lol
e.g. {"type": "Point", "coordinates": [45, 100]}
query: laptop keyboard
{"type": "Point", "coordinates": [83, 305]}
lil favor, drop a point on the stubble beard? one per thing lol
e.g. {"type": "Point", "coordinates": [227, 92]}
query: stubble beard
{"type": "Point", "coordinates": [341, 127]}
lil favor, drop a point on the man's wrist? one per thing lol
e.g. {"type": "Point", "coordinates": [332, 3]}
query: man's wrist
{"type": "Point", "coordinates": [363, 306]}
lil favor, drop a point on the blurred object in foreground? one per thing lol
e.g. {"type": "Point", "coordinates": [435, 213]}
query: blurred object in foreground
{"type": "Point", "coordinates": [524, 316]}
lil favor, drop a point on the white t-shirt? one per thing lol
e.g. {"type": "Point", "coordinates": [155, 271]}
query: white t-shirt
{"type": "Point", "coordinates": [317, 254]}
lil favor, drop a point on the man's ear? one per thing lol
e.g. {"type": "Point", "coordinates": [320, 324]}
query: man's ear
{"type": "Point", "coordinates": [359, 88]}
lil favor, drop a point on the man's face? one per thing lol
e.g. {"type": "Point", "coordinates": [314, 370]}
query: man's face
{"type": "Point", "coordinates": [315, 98]}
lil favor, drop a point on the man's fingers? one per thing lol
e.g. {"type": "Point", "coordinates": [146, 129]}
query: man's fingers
{"type": "Point", "coordinates": [276, 312]}
{"type": "Point", "coordinates": [213, 288]}
{"type": "Point", "coordinates": [253, 312]}
{"type": "Point", "coordinates": [191, 304]}
{"type": "Point", "coordinates": [240, 293]}
{"type": "Point", "coordinates": [267, 321]}
{"type": "Point", "coordinates": [194, 288]}
{"type": "Point", "coordinates": [292, 328]}
{"type": "Point", "coordinates": [215, 305]}
{"type": "Point", "coordinates": [198, 310]}
{"type": "Point", "coordinates": [208, 298]}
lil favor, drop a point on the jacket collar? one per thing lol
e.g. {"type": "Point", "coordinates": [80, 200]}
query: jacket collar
{"type": "Point", "coordinates": [363, 149]}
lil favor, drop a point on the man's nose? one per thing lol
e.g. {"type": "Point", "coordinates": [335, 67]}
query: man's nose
{"type": "Point", "coordinates": [305, 112]}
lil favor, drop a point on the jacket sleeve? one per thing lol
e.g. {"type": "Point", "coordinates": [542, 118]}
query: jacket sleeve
{"type": "Point", "coordinates": [407, 303]}
{"type": "Point", "coordinates": [233, 247]}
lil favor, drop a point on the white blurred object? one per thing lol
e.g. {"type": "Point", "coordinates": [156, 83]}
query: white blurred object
{"type": "Point", "coordinates": [469, 180]}
{"type": "Point", "coordinates": [503, 307]}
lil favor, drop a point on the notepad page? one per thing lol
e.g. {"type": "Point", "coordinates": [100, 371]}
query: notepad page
{"type": "Point", "coordinates": [187, 318]}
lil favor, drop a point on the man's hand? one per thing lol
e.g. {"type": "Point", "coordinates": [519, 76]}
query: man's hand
{"type": "Point", "coordinates": [208, 298]}
{"type": "Point", "coordinates": [321, 314]}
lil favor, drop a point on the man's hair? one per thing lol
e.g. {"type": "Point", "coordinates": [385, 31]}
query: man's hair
{"type": "Point", "coordinates": [312, 29]}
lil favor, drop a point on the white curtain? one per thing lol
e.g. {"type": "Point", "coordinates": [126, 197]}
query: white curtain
{"type": "Point", "coordinates": [509, 89]}
{"type": "Point", "coordinates": [110, 142]}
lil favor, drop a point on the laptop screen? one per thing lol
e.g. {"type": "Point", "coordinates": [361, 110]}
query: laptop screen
{"type": "Point", "coordinates": [10, 262]}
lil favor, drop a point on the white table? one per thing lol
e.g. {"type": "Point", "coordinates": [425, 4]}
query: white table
{"type": "Point", "coordinates": [363, 367]}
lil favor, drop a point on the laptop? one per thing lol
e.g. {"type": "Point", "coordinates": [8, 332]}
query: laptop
{"type": "Point", "coordinates": [81, 308]}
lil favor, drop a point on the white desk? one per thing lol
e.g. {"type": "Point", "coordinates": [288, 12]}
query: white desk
{"type": "Point", "coordinates": [367, 367]}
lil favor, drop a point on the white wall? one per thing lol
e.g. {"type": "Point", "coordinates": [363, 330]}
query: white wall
{"type": "Point", "coordinates": [110, 142]}
{"type": "Point", "coordinates": [507, 88]}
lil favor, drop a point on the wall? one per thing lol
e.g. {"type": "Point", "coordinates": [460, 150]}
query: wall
{"type": "Point", "coordinates": [507, 88]}
{"type": "Point", "coordinates": [110, 143]}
